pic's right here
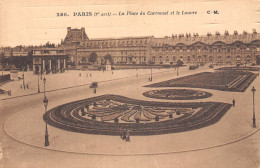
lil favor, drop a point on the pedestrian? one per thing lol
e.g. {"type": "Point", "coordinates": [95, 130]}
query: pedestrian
{"type": "Point", "coordinates": [24, 87]}
{"type": "Point", "coordinates": [234, 102]}
{"type": "Point", "coordinates": [127, 139]}
{"type": "Point", "coordinates": [95, 91]}
{"type": "Point", "coordinates": [79, 74]}
{"type": "Point", "coordinates": [90, 74]}
{"type": "Point", "coordinates": [124, 134]}
{"type": "Point", "coordinates": [27, 85]}
{"type": "Point", "coordinates": [21, 86]}
{"type": "Point", "coordinates": [121, 133]}
{"type": "Point", "coordinates": [10, 93]}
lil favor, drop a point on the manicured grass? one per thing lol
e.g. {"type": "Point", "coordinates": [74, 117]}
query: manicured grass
{"type": "Point", "coordinates": [177, 94]}
{"type": "Point", "coordinates": [237, 81]}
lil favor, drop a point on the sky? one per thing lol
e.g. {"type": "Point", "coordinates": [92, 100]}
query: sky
{"type": "Point", "coordinates": [34, 22]}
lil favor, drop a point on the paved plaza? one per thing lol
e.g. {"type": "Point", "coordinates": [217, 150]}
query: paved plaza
{"type": "Point", "coordinates": [231, 142]}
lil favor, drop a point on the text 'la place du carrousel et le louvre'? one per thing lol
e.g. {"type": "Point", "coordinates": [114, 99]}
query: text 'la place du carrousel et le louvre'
{"type": "Point", "coordinates": [129, 13]}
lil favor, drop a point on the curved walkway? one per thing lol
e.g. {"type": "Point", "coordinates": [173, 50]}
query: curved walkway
{"type": "Point", "coordinates": [25, 131]}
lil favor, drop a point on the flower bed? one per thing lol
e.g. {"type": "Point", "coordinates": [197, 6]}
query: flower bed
{"type": "Point", "coordinates": [177, 94]}
{"type": "Point", "coordinates": [192, 115]}
{"type": "Point", "coordinates": [240, 68]}
{"type": "Point", "coordinates": [220, 80]}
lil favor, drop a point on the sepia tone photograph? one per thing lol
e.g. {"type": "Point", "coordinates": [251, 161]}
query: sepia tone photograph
{"type": "Point", "coordinates": [129, 84]}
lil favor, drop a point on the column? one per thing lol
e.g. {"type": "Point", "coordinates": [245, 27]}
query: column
{"type": "Point", "coordinates": [40, 68]}
{"type": "Point", "coordinates": [64, 61]}
{"type": "Point", "coordinates": [50, 65]}
{"type": "Point", "coordinates": [58, 65]}
{"type": "Point", "coordinates": [33, 68]}
{"type": "Point", "coordinates": [43, 66]}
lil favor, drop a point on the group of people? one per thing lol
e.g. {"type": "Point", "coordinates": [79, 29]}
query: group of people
{"type": "Point", "coordinates": [86, 75]}
{"type": "Point", "coordinates": [125, 135]}
{"type": "Point", "coordinates": [24, 86]}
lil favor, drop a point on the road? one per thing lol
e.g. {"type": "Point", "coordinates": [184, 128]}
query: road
{"type": "Point", "coordinates": [244, 153]}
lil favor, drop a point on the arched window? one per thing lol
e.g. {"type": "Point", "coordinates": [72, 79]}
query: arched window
{"type": "Point", "coordinates": [188, 59]}
{"type": "Point", "coordinates": [210, 59]}
{"type": "Point", "coordinates": [248, 59]}
{"type": "Point", "coordinates": [174, 58]}
{"type": "Point", "coordinates": [219, 59]}
{"type": "Point", "coordinates": [167, 59]}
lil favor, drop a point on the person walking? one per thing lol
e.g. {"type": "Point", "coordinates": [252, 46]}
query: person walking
{"type": "Point", "coordinates": [124, 134]}
{"type": "Point", "coordinates": [234, 102]}
{"type": "Point", "coordinates": [127, 139]}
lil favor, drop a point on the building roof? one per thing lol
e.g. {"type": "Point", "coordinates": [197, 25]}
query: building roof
{"type": "Point", "coordinates": [121, 38]}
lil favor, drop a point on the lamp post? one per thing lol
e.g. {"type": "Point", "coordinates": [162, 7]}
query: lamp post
{"type": "Point", "coordinates": [253, 91]}
{"type": "Point", "coordinates": [2, 69]}
{"type": "Point", "coordinates": [151, 73]}
{"type": "Point", "coordinates": [38, 83]}
{"type": "Point", "coordinates": [44, 81]}
{"type": "Point", "coordinates": [45, 103]}
{"type": "Point", "coordinates": [23, 77]}
{"type": "Point", "coordinates": [177, 70]}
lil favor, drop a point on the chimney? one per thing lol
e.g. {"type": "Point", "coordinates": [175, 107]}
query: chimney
{"type": "Point", "coordinates": [68, 29]}
{"type": "Point", "coordinates": [82, 33]}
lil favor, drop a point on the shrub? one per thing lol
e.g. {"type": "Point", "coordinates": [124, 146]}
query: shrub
{"type": "Point", "coordinates": [157, 118]}
{"type": "Point", "coordinates": [116, 120]}
{"type": "Point", "coordinates": [93, 117]}
{"type": "Point", "coordinates": [137, 120]}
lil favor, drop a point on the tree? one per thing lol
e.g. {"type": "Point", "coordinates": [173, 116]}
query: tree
{"type": "Point", "coordinates": [50, 45]}
{"type": "Point", "coordinates": [93, 57]}
{"type": "Point", "coordinates": [109, 58]}
{"type": "Point", "coordinates": [179, 62]}
{"type": "Point", "coordinates": [2, 57]}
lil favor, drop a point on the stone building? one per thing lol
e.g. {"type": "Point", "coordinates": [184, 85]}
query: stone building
{"type": "Point", "coordinates": [128, 50]}
{"type": "Point", "coordinates": [72, 41]}
{"type": "Point", "coordinates": [49, 60]}
{"type": "Point", "coordinates": [192, 49]}
{"type": "Point", "coordinates": [216, 49]}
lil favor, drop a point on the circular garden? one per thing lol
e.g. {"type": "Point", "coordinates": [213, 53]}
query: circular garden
{"type": "Point", "coordinates": [177, 94]}
{"type": "Point", "coordinates": [110, 114]}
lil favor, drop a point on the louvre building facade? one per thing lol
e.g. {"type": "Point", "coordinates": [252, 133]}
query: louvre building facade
{"type": "Point", "coordinates": [214, 48]}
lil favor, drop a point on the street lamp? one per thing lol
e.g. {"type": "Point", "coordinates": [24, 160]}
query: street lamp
{"type": "Point", "coordinates": [151, 73]}
{"type": "Point", "coordinates": [253, 91]}
{"type": "Point", "coordinates": [38, 83]}
{"type": "Point", "coordinates": [46, 142]}
{"type": "Point", "coordinates": [45, 103]}
{"type": "Point", "coordinates": [23, 77]}
{"type": "Point", "coordinates": [2, 69]}
{"type": "Point", "coordinates": [44, 81]}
